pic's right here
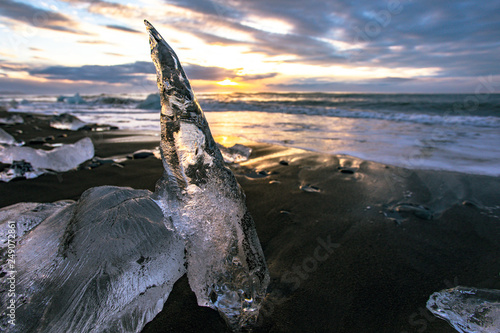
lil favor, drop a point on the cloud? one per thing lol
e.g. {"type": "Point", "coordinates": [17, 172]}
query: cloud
{"type": "Point", "coordinates": [110, 74]}
{"type": "Point", "coordinates": [252, 77]}
{"type": "Point", "coordinates": [387, 84]}
{"type": "Point", "coordinates": [460, 37]}
{"type": "Point", "coordinates": [122, 28]}
{"type": "Point", "coordinates": [109, 8]}
{"type": "Point", "coordinates": [136, 71]}
{"type": "Point", "coordinates": [38, 17]}
{"type": "Point", "coordinates": [20, 86]}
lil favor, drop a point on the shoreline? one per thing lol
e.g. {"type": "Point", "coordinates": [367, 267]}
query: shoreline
{"type": "Point", "coordinates": [388, 237]}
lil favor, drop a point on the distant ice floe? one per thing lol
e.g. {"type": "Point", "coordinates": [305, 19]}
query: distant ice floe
{"type": "Point", "coordinates": [235, 154]}
{"type": "Point", "coordinates": [76, 99]}
{"type": "Point", "coordinates": [12, 120]}
{"type": "Point", "coordinates": [468, 310]}
{"type": "Point", "coordinates": [152, 102]}
{"type": "Point", "coordinates": [66, 121]}
{"type": "Point", "coordinates": [30, 163]}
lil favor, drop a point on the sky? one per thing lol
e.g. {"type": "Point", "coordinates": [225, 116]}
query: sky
{"type": "Point", "coordinates": [396, 46]}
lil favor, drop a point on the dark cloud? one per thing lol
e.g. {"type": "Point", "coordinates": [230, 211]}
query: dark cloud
{"type": "Point", "coordinates": [37, 17]}
{"type": "Point", "coordinates": [19, 86]}
{"type": "Point", "coordinates": [122, 28]}
{"type": "Point", "coordinates": [131, 72]}
{"type": "Point", "coordinates": [252, 77]}
{"type": "Point", "coordinates": [110, 74]}
{"type": "Point", "coordinates": [197, 72]}
{"type": "Point", "coordinates": [93, 42]}
{"type": "Point", "coordinates": [381, 85]}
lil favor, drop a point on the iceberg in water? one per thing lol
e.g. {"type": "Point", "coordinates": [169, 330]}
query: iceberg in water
{"type": "Point", "coordinates": [63, 158]}
{"type": "Point", "coordinates": [152, 102]}
{"type": "Point", "coordinates": [76, 99]}
{"type": "Point", "coordinates": [468, 310]}
{"type": "Point", "coordinates": [107, 262]}
{"type": "Point", "coordinates": [66, 121]}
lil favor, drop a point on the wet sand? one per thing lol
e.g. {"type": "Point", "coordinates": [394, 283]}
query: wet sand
{"type": "Point", "coordinates": [351, 245]}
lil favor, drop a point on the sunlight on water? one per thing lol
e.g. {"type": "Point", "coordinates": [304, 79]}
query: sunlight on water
{"type": "Point", "coordinates": [414, 131]}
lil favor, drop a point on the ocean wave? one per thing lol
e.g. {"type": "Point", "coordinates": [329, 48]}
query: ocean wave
{"type": "Point", "coordinates": [420, 118]}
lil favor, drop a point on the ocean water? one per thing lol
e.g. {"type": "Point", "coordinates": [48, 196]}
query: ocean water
{"type": "Point", "coordinates": [455, 132]}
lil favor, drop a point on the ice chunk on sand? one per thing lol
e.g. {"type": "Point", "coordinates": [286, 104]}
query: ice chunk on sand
{"type": "Point", "coordinates": [60, 159]}
{"type": "Point", "coordinates": [202, 201]}
{"type": "Point", "coordinates": [6, 138]}
{"type": "Point", "coordinates": [468, 309]}
{"type": "Point", "coordinates": [235, 154]}
{"type": "Point", "coordinates": [104, 264]}
{"type": "Point", "coordinates": [20, 169]}
{"type": "Point", "coordinates": [12, 119]}
{"type": "Point", "coordinates": [66, 121]}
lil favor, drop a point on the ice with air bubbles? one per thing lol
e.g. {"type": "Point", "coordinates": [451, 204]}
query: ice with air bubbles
{"type": "Point", "coordinates": [63, 158]}
{"type": "Point", "coordinates": [103, 264]}
{"type": "Point", "coordinates": [468, 310]}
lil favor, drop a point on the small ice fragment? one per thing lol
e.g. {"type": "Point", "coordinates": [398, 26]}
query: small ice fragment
{"type": "Point", "coordinates": [6, 138]}
{"type": "Point", "coordinates": [235, 154]}
{"type": "Point", "coordinates": [60, 159]}
{"type": "Point", "coordinates": [310, 188]}
{"type": "Point", "coordinates": [20, 169]}
{"type": "Point", "coordinates": [12, 120]}
{"type": "Point", "coordinates": [66, 121]}
{"type": "Point", "coordinates": [468, 310]}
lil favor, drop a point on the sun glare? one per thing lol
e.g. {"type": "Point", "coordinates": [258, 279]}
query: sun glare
{"type": "Point", "coordinates": [227, 82]}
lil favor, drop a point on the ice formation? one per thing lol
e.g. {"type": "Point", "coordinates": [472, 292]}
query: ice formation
{"type": "Point", "coordinates": [60, 159]}
{"type": "Point", "coordinates": [66, 121]}
{"type": "Point", "coordinates": [6, 138]}
{"type": "Point", "coordinates": [76, 99]}
{"type": "Point", "coordinates": [12, 119]}
{"type": "Point", "coordinates": [468, 310]}
{"type": "Point", "coordinates": [235, 154]}
{"type": "Point", "coordinates": [104, 264]}
{"type": "Point", "coordinates": [108, 262]}
{"type": "Point", "coordinates": [20, 169]}
{"type": "Point", "coordinates": [203, 202]}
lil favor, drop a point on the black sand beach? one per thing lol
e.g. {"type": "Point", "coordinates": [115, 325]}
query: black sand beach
{"type": "Point", "coordinates": [351, 245]}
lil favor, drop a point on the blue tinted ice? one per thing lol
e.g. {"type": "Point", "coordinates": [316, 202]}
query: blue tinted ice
{"type": "Point", "coordinates": [467, 309]}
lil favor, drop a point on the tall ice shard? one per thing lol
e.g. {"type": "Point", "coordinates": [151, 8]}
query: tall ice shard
{"type": "Point", "coordinates": [203, 202]}
{"type": "Point", "coordinates": [107, 262]}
